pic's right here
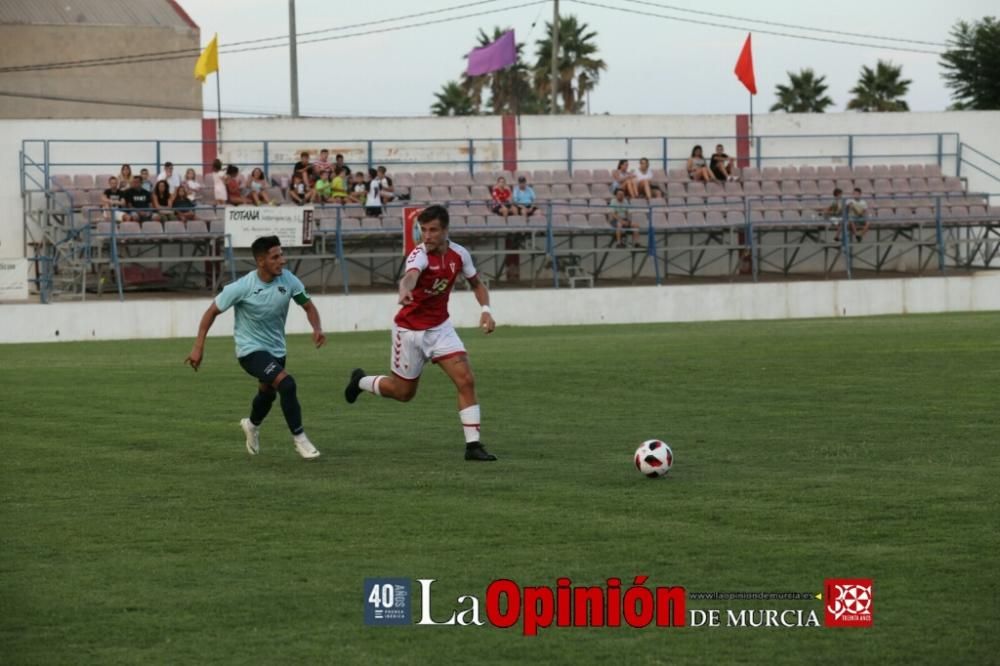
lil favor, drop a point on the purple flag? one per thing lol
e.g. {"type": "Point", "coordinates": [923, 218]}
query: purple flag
{"type": "Point", "coordinates": [492, 57]}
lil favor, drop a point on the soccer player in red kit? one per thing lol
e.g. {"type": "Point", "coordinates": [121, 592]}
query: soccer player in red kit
{"type": "Point", "coordinates": [423, 332]}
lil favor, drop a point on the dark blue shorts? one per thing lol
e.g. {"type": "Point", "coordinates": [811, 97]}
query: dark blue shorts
{"type": "Point", "coordinates": [263, 366]}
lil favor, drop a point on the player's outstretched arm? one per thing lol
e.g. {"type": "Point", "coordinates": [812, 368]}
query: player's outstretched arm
{"type": "Point", "coordinates": [406, 286]}
{"type": "Point", "coordinates": [198, 350]}
{"type": "Point", "coordinates": [486, 321]}
{"type": "Point", "coordinates": [312, 314]}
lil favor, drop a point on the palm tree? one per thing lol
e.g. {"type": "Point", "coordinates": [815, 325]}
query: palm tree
{"type": "Point", "coordinates": [803, 94]}
{"type": "Point", "coordinates": [510, 89]}
{"type": "Point", "coordinates": [452, 101]}
{"type": "Point", "coordinates": [881, 89]}
{"type": "Point", "coordinates": [579, 68]}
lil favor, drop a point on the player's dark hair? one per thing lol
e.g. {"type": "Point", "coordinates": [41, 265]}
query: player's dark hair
{"type": "Point", "coordinates": [837, 192]}
{"type": "Point", "coordinates": [263, 245]}
{"type": "Point", "coordinates": [439, 213]}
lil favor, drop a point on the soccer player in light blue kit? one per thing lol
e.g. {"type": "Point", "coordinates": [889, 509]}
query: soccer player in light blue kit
{"type": "Point", "coordinates": [260, 300]}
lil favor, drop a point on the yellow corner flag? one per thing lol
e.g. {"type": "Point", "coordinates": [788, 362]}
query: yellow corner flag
{"type": "Point", "coordinates": [208, 61]}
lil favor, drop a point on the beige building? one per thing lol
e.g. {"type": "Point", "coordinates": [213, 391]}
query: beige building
{"type": "Point", "coordinates": [47, 36]}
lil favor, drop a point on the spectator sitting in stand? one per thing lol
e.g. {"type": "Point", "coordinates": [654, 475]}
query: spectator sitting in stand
{"type": "Point", "coordinates": [258, 188]}
{"type": "Point", "coordinates": [623, 179]}
{"type": "Point", "coordinates": [139, 200]}
{"type": "Point", "coordinates": [644, 180]}
{"type": "Point", "coordinates": [338, 186]}
{"type": "Point", "coordinates": [125, 177]}
{"type": "Point", "coordinates": [386, 186]}
{"type": "Point", "coordinates": [147, 184]}
{"type": "Point", "coordinates": [723, 166]}
{"type": "Point", "coordinates": [162, 199]}
{"type": "Point", "coordinates": [233, 195]}
{"type": "Point", "coordinates": [500, 196]}
{"type": "Point", "coordinates": [323, 188]}
{"type": "Point", "coordinates": [305, 167]}
{"type": "Point", "coordinates": [323, 163]}
{"type": "Point", "coordinates": [696, 167]}
{"type": "Point", "coordinates": [620, 218]}
{"type": "Point", "coordinates": [183, 205]}
{"type": "Point", "coordinates": [340, 162]}
{"type": "Point", "coordinates": [112, 201]}
{"type": "Point", "coordinates": [191, 184]}
{"type": "Point", "coordinates": [857, 213]}
{"type": "Point", "coordinates": [359, 189]}
{"type": "Point", "coordinates": [524, 198]}
{"type": "Point", "coordinates": [298, 192]}
{"type": "Point", "coordinates": [173, 180]}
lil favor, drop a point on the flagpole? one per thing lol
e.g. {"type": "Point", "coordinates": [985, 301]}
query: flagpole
{"type": "Point", "coordinates": [750, 129]}
{"type": "Point", "coordinates": [218, 114]}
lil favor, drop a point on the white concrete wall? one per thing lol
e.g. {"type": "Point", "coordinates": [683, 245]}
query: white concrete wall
{"type": "Point", "coordinates": [543, 307]}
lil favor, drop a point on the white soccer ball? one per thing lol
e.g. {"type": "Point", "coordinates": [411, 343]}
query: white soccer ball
{"type": "Point", "coordinates": [654, 458]}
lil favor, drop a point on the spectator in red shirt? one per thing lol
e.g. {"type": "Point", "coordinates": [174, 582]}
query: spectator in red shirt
{"type": "Point", "coordinates": [500, 203]}
{"type": "Point", "coordinates": [233, 195]}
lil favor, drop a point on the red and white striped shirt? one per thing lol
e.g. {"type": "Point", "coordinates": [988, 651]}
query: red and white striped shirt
{"type": "Point", "coordinates": [437, 277]}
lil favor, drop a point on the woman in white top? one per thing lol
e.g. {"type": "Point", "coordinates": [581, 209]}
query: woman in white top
{"type": "Point", "coordinates": [644, 179]}
{"type": "Point", "coordinates": [697, 168]}
{"type": "Point", "coordinates": [191, 184]}
{"type": "Point", "coordinates": [624, 180]}
{"type": "Point", "coordinates": [219, 183]}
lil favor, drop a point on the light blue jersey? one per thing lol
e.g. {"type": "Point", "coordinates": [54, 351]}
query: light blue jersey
{"type": "Point", "coordinates": [261, 310]}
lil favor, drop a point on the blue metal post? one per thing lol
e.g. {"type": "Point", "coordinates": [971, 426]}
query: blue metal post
{"type": "Point", "coordinates": [756, 144]}
{"type": "Point", "coordinates": [958, 161]}
{"type": "Point", "coordinates": [46, 184]}
{"type": "Point", "coordinates": [158, 167]}
{"type": "Point", "coordinates": [651, 245]}
{"type": "Point", "coordinates": [340, 252]}
{"type": "Point", "coordinates": [569, 154]}
{"type": "Point", "coordinates": [940, 148]}
{"type": "Point", "coordinates": [850, 150]}
{"type": "Point", "coordinates": [267, 160]}
{"type": "Point", "coordinates": [664, 140]}
{"type": "Point", "coordinates": [370, 154]}
{"type": "Point", "coordinates": [939, 232]}
{"type": "Point", "coordinates": [472, 156]}
{"type": "Point", "coordinates": [550, 245]}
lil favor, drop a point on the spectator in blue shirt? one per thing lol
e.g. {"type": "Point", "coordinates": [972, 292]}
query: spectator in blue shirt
{"type": "Point", "coordinates": [524, 198]}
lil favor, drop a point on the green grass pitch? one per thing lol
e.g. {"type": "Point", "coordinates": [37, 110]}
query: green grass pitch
{"type": "Point", "coordinates": [134, 528]}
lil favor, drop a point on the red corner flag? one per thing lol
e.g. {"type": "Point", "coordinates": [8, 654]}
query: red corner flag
{"type": "Point", "coordinates": [744, 68]}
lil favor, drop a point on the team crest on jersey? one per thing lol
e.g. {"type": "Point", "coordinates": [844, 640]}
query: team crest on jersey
{"type": "Point", "coordinates": [282, 290]}
{"type": "Point", "coordinates": [451, 265]}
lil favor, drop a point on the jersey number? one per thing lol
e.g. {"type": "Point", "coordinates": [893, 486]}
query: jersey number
{"type": "Point", "coordinates": [439, 287]}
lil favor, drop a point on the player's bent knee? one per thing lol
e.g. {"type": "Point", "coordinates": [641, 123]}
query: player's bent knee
{"type": "Point", "coordinates": [287, 385]}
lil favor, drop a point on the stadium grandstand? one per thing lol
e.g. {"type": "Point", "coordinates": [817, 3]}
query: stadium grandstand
{"type": "Point", "coordinates": [771, 219]}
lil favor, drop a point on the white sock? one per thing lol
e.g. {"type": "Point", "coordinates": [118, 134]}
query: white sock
{"type": "Point", "coordinates": [370, 383]}
{"type": "Point", "coordinates": [470, 423]}
{"type": "Point", "coordinates": [301, 437]}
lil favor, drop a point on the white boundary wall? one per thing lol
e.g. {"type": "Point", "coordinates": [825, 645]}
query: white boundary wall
{"type": "Point", "coordinates": [137, 318]}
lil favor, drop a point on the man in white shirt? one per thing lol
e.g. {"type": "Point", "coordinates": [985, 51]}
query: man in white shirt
{"type": "Point", "coordinates": [857, 215]}
{"type": "Point", "coordinates": [173, 179]}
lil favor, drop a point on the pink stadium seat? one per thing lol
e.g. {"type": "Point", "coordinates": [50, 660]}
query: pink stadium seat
{"type": "Point", "coordinates": [750, 173]}
{"type": "Point", "coordinates": [580, 176]}
{"type": "Point", "coordinates": [680, 175]}
{"type": "Point", "coordinates": [790, 188]}
{"type": "Point", "coordinates": [83, 181]}
{"type": "Point", "coordinates": [440, 193]}
{"type": "Point", "coordinates": [824, 172]}
{"type": "Point", "coordinates": [770, 188]}
{"type": "Point", "coordinates": [881, 171]}
{"type": "Point", "coordinates": [791, 215]}
{"type": "Point", "coordinates": [461, 178]}
{"type": "Point", "coordinates": [845, 184]}
{"type": "Point", "coordinates": [579, 190]}
{"type": "Point", "coordinates": [843, 171]}
{"type": "Point", "coordinates": [714, 188]}
{"type": "Point", "coordinates": [659, 220]}
{"type": "Point", "coordinates": [826, 186]}
{"type": "Point", "coordinates": [174, 228]}
{"type": "Point", "coordinates": [863, 171]}
{"type": "Point", "coordinates": [562, 176]}
{"type": "Point", "coordinates": [601, 176]}
{"type": "Point", "coordinates": [402, 179]}
{"type": "Point", "coordinates": [543, 191]}
{"type": "Point", "coordinates": [696, 188]}
{"type": "Point", "coordinates": [736, 217]}
{"type": "Point", "coordinates": [597, 203]}
{"type": "Point", "coordinates": [898, 171]}
{"type": "Point", "coordinates": [808, 188]}
{"type": "Point", "coordinates": [676, 219]}
{"type": "Point", "coordinates": [953, 184]}
{"type": "Point", "coordinates": [542, 176]}
{"type": "Point", "coordinates": [864, 185]}
{"type": "Point", "coordinates": [129, 229]}
{"type": "Point", "coordinates": [475, 221]}
{"type": "Point", "coordinates": [733, 187]}
{"type": "Point", "coordinates": [771, 173]}
{"type": "Point", "coordinates": [423, 178]}
{"type": "Point", "coordinates": [772, 216]}
{"type": "Point", "coordinates": [197, 228]}
{"type": "Point", "coordinates": [675, 189]}
{"type": "Point", "coordinates": [423, 193]}
{"type": "Point", "coordinates": [65, 181]}
{"type": "Point", "coordinates": [807, 172]}
{"type": "Point", "coordinates": [900, 185]}
{"type": "Point", "coordinates": [713, 218]}
{"type": "Point", "coordinates": [918, 185]}
{"type": "Point", "coordinates": [460, 193]}
{"type": "Point", "coordinates": [789, 173]}
{"type": "Point", "coordinates": [578, 220]}
{"type": "Point", "coordinates": [696, 218]}
{"type": "Point", "coordinates": [751, 188]}
{"type": "Point", "coordinates": [932, 170]}
{"type": "Point", "coordinates": [442, 178]}
{"type": "Point", "coordinates": [883, 186]}
{"type": "Point", "coordinates": [915, 170]}
{"type": "Point", "coordinates": [597, 220]}
{"type": "Point", "coordinates": [560, 191]}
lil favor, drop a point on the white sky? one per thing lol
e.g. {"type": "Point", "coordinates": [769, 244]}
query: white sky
{"type": "Point", "coordinates": [653, 65]}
